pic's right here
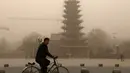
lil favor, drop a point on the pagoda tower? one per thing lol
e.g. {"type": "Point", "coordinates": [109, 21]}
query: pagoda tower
{"type": "Point", "coordinates": [72, 42]}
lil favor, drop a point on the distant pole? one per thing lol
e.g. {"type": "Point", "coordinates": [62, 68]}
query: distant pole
{"type": "Point", "coordinates": [88, 49]}
{"type": "Point", "coordinates": [116, 46]}
{"type": "Point", "coordinates": [117, 50]}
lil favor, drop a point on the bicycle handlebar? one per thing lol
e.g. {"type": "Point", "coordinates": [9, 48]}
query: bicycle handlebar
{"type": "Point", "coordinates": [55, 57]}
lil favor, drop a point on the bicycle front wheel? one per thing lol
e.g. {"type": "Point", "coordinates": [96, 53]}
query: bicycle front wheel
{"type": "Point", "coordinates": [31, 69]}
{"type": "Point", "coordinates": [60, 69]}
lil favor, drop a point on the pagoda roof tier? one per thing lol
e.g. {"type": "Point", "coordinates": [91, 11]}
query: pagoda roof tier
{"type": "Point", "coordinates": [72, 12]}
{"type": "Point", "coordinates": [73, 46]}
{"type": "Point", "coordinates": [73, 39]}
{"type": "Point", "coordinates": [67, 28]}
{"type": "Point", "coordinates": [72, 34]}
{"type": "Point", "coordinates": [70, 6]}
{"type": "Point", "coordinates": [72, 22]}
{"type": "Point", "coordinates": [73, 16]}
{"type": "Point", "coordinates": [71, 1]}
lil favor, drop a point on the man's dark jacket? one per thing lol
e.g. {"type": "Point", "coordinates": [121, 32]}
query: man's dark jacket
{"type": "Point", "coordinates": [42, 52]}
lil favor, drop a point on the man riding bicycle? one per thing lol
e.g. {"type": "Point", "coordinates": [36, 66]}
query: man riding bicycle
{"type": "Point", "coordinates": [41, 55]}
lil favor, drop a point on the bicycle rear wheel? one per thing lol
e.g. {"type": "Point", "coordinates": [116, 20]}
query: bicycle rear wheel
{"type": "Point", "coordinates": [60, 69]}
{"type": "Point", "coordinates": [31, 69]}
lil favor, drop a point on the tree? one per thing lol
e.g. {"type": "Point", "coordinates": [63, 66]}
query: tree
{"type": "Point", "coordinates": [72, 39]}
{"type": "Point", "coordinates": [98, 42]}
{"type": "Point", "coordinates": [3, 45]}
{"type": "Point", "coordinates": [30, 44]}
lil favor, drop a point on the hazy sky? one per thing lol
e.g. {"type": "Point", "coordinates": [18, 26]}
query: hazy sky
{"type": "Point", "coordinates": [112, 16]}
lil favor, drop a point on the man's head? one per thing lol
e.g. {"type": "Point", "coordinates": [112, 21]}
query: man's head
{"type": "Point", "coordinates": [46, 41]}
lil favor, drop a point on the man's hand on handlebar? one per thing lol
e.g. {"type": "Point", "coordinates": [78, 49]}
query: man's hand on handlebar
{"type": "Point", "coordinates": [55, 57]}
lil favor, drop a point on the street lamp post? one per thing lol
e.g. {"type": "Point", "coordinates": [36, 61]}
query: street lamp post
{"type": "Point", "coordinates": [117, 51]}
{"type": "Point", "coordinates": [116, 46]}
{"type": "Point", "coordinates": [88, 51]}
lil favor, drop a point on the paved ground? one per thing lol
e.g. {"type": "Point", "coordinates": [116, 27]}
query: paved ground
{"type": "Point", "coordinates": [16, 65]}
{"type": "Point", "coordinates": [69, 62]}
{"type": "Point", "coordinates": [75, 69]}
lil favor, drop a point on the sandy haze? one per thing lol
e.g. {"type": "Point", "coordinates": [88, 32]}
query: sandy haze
{"type": "Point", "coordinates": [110, 15]}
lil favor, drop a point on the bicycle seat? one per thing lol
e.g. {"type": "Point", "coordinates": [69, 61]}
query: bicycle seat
{"type": "Point", "coordinates": [31, 63]}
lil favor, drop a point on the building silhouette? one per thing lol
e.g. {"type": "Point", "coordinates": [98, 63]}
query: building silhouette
{"type": "Point", "coordinates": [72, 41]}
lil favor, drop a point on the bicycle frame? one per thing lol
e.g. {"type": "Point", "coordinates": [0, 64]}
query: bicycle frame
{"type": "Point", "coordinates": [54, 64]}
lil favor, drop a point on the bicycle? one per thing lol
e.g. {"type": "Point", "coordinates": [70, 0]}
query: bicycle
{"type": "Point", "coordinates": [55, 68]}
